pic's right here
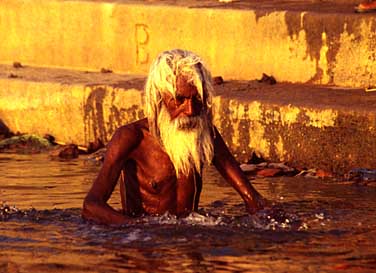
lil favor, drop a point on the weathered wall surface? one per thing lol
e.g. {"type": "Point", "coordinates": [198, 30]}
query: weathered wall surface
{"type": "Point", "coordinates": [240, 43]}
{"type": "Point", "coordinates": [72, 113]}
{"type": "Point", "coordinates": [305, 125]}
{"type": "Point", "coordinates": [333, 140]}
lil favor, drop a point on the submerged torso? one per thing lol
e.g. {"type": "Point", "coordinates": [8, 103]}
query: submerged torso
{"type": "Point", "coordinates": [150, 182]}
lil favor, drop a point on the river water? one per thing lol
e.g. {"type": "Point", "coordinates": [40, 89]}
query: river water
{"type": "Point", "coordinates": [313, 225]}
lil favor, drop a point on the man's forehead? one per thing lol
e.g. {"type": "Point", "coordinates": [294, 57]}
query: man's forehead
{"type": "Point", "coordinates": [183, 80]}
{"type": "Point", "coordinates": [185, 86]}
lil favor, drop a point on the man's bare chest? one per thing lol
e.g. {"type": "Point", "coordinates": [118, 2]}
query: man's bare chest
{"type": "Point", "coordinates": [151, 174]}
{"type": "Point", "coordinates": [150, 167]}
{"type": "Point", "coordinates": [160, 191]}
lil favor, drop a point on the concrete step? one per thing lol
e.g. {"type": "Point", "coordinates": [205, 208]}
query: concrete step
{"type": "Point", "coordinates": [330, 128]}
{"type": "Point", "coordinates": [319, 42]}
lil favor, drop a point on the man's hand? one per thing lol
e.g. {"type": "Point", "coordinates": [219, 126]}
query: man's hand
{"type": "Point", "coordinates": [103, 214]}
{"type": "Point", "coordinates": [229, 168]}
{"type": "Point", "coordinates": [95, 206]}
{"type": "Point", "coordinates": [257, 203]}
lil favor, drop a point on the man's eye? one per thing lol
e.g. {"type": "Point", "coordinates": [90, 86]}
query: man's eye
{"type": "Point", "coordinates": [198, 98]}
{"type": "Point", "coordinates": [179, 99]}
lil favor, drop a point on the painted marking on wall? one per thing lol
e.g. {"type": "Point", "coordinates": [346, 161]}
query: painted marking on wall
{"type": "Point", "coordinates": [142, 39]}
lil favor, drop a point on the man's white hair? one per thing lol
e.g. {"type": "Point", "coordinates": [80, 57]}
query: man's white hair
{"type": "Point", "coordinates": [187, 140]}
{"type": "Point", "coordinates": [162, 78]}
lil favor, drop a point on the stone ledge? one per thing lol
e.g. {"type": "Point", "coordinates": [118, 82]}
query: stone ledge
{"type": "Point", "coordinates": [306, 125]}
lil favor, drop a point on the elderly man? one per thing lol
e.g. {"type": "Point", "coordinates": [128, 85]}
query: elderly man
{"type": "Point", "coordinates": [160, 158]}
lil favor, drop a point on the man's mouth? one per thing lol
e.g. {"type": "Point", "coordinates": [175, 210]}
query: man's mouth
{"type": "Point", "coordinates": [187, 123]}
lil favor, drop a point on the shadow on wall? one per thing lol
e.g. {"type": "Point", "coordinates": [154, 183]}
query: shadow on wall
{"type": "Point", "coordinates": [4, 131]}
{"type": "Point", "coordinates": [104, 112]}
{"type": "Point", "coordinates": [94, 125]}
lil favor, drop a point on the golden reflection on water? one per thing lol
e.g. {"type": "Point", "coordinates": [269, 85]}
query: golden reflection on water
{"type": "Point", "coordinates": [338, 232]}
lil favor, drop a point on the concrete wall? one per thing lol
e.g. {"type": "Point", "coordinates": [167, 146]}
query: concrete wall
{"type": "Point", "coordinates": [281, 122]}
{"type": "Point", "coordinates": [242, 43]}
{"type": "Point", "coordinates": [72, 113]}
{"type": "Point", "coordinates": [335, 140]}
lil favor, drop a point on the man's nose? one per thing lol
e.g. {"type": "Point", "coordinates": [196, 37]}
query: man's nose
{"type": "Point", "coordinates": [189, 107]}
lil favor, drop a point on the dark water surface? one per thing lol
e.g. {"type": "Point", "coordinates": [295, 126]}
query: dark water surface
{"type": "Point", "coordinates": [314, 226]}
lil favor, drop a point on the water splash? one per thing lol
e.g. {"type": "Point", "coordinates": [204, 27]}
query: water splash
{"type": "Point", "coordinates": [205, 220]}
{"type": "Point", "coordinates": [193, 219]}
{"type": "Point", "coordinates": [271, 219]}
{"type": "Point", "coordinates": [268, 219]}
{"type": "Point", "coordinates": [7, 211]}
{"type": "Point", "coordinates": [274, 219]}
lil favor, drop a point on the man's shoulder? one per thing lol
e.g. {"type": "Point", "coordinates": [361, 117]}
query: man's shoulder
{"type": "Point", "coordinates": [132, 131]}
{"type": "Point", "coordinates": [139, 125]}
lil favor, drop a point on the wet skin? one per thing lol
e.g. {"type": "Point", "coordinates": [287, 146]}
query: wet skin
{"type": "Point", "coordinates": [148, 179]}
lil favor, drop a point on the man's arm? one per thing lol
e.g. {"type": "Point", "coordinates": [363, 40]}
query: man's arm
{"type": "Point", "coordinates": [95, 207]}
{"type": "Point", "coordinates": [229, 168]}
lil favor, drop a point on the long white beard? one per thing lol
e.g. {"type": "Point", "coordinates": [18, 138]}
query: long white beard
{"type": "Point", "coordinates": [187, 141]}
